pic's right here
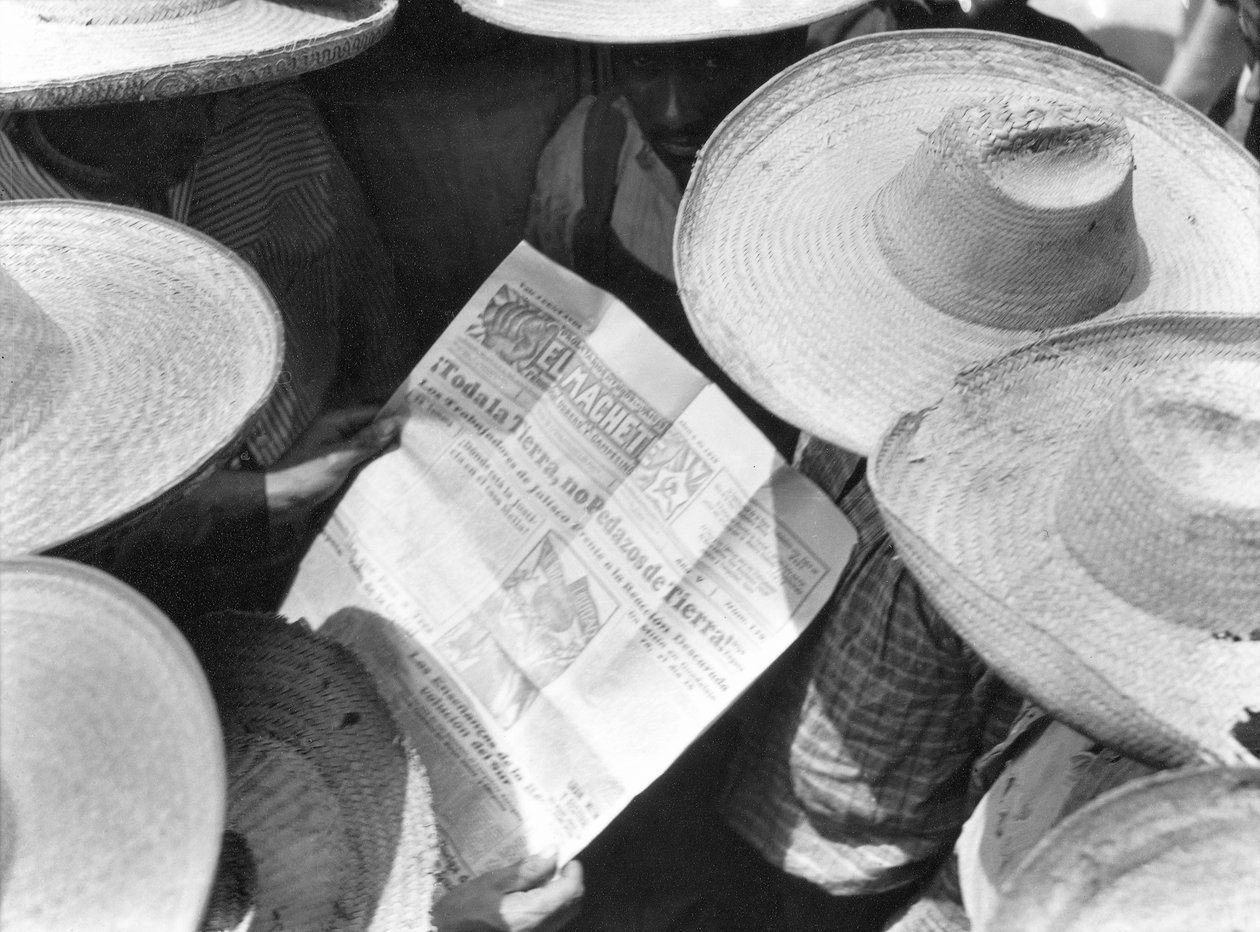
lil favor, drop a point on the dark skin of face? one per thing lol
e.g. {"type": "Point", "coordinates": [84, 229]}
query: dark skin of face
{"type": "Point", "coordinates": [680, 92]}
{"type": "Point", "coordinates": [143, 146]}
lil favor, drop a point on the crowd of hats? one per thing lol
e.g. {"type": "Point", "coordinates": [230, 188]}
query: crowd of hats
{"type": "Point", "coordinates": [890, 211]}
{"type": "Point", "coordinates": [875, 223]}
{"type": "Point", "coordinates": [852, 254]}
{"type": "Point", "coordinates": [1020, 280]}
{"type": "Point", "coordinates": [136, 352]}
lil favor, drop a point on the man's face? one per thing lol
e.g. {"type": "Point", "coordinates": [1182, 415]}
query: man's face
{"type": "Point", "coordinates": [681, 91]}
{"type": "Point", "coordinates": [152, 144]}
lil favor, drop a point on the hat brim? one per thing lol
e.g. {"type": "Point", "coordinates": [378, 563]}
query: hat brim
{"type": "Point", "coordinates": [113, 764]}
{"type": "Point", "coordinates": [781, 277]}
{"type": "Point", "coordinates": [650, 21]}
{"type": "Point", "coordinates": [46, 64]}
{"type": "Point", "coordinates": [968, 491]}
{"type": "Point", "coordinates": [333, 802]}
{"type": "Point", "coordinates": [174, 344]}
{"type": "Point", "coordinates": [1168, 852]}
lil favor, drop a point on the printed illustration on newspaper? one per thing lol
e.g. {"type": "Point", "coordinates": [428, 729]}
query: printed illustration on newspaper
{"type": "Point", "coordinates": [579, 556]}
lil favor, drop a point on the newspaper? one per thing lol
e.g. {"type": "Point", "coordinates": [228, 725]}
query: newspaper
{"type": "Point", "coordinates": [579, 556]}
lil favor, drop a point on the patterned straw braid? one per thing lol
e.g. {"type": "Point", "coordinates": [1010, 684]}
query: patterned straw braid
{"type": "Point", "coordinates": [79, 53]}
{"type": "Point", "coordinates": [1166, 853]}
{"type": "Point", "coordinates": [898, 207]}
{"type": "Point", "coordinates": [332, 802]}
{"type": "Point", "coordinates": [136, 351]}
{"type": "Point", "coordinates": [615, 21]}
{"type": "Point", "coordinates": [1085, 512]}
{"type": "Point", "coordinates": [112, 780]}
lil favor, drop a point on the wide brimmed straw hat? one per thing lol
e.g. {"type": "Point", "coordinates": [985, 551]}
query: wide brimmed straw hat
{"type": "Point", "coordinates": [79, 53]}
{"type": "Point", "coordinates": [333, 805]}
{"type": "Point", "coordinates": [1085, 512]}
{"type": "Point", "coordinates": [897, 207]}
{"type": "Point", "coordinates": [135, 352]}
{"type": "Point", "coordinates": [111, 760]}
{"type": "Point", "coordinates": [650, 21]}
{"type": "Point", "coordinates": [1166, 853]}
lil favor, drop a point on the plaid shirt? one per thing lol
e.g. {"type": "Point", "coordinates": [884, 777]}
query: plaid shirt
{"type": "Point", "coordinates": [855, 777]}
{"type": "Point", "coordinates": [270, 186]}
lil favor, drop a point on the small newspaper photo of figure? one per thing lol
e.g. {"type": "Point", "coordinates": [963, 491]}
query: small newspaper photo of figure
{"type": "Point", "coordinates": [525, 636]}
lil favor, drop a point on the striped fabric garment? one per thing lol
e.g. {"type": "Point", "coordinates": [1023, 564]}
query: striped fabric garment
{"type": "Point", "coordinates": [856, 777]}
{"type": "Point", "coordinates": [271, 186]}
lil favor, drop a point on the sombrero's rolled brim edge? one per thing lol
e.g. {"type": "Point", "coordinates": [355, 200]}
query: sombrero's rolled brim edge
{"type": "Point", "coordinates": [1095, 834]}
{"type": "Point", "coordinates": [212, 808]}
{"type": "Point", "coordinates": [1044, 664]}
{"type": "Point", "coordinates": [524, 17]}
{"type": "Point", "coordinates": [1154, 741]}
{"type": "Point", "coordinates": [147, 76]}
{"type": "Point", "coordinates": [722, 336]}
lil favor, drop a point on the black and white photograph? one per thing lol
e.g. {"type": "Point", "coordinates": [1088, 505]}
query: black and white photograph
{"type": "Point", "coordinates": [604, 466]}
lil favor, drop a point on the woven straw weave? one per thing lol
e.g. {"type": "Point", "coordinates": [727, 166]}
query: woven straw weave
{"type": "Point", "coordinates": [136, 351]}
{"type": "Point", "coordinates": [615, 21]}
{"type": "Point", "coordinates": [1086, 513]}
{"type": "Point", "coordinates": [77, 53]}
{"type": "Point", "coordinates": [333, 804]}
{"type": "Point", "coordinates": [842, 254]}
{"type": "Point", "coordinates": [111, 762]}
{"type": "Point", "coordinates": [1166, 853]}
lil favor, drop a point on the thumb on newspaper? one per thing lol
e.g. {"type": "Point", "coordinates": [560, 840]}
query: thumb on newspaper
{"type": "Point", "coordinates": [547, 906]}
{"type": "Point", "coordinates": [525, 897]}
{"type": "Point", "coordinates": [299, 482]}
{"type": "Point", "coordinates": [526, 873]}
{"type": "Point", "coordinates": [378, 436]}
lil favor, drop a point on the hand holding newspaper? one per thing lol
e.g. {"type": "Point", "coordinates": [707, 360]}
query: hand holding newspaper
{"type": "Point", "coordinates": [581, 554]}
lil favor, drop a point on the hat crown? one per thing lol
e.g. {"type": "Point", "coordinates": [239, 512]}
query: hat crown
{"type": "Point", "coordinates": [329, 797]}
{"type": "Point", "coordinates": [1162, 506]}
{"type": "Point", "coordinates": [117, 12]}
{"type": "Point", "coordinates": [34, 364]}
{"type": "Point", "coordinates": [1014, 213]}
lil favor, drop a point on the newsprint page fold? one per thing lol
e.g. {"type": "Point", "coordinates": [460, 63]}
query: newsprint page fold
{"type": "Point", "coordinates": [579, 556]}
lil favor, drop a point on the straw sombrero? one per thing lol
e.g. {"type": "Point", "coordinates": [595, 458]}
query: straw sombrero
{"type": "Point", "coordinates": [1085, 512]}
{"type": "Point", "coordinates": [1166, 853]}
{"type": "Point", "coordinates": [135, 352]}
{"type": "Point", "coordinates": [649, 21]}
{"type": "Point", "coordinates": [897, 207]}
{"type": "Point", "coordinates": [78, 53]}
{"type": "Point", "coordinates": [111, 761]}
{"type": "Point", "coordinates": [331, 802]}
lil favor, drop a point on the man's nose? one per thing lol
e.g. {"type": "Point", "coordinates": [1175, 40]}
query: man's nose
{"type": "Point", "coordinates": [676, 108]}
{"type": "Point", "coordinates": [669, 110]}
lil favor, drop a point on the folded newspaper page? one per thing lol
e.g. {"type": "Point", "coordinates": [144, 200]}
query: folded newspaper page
{"type": "Point", "coordinates": [579, 556]}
